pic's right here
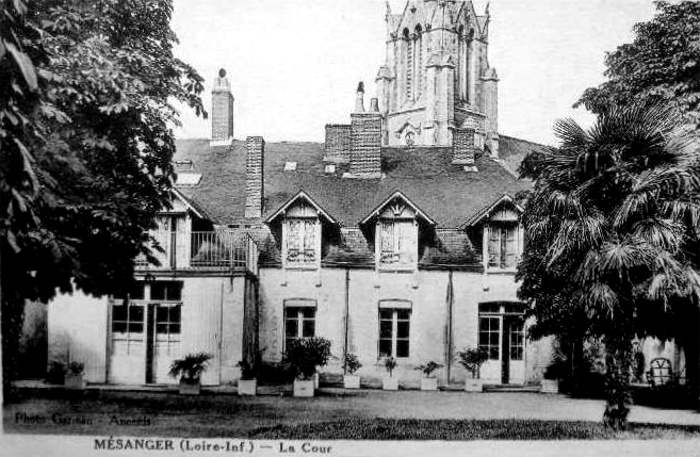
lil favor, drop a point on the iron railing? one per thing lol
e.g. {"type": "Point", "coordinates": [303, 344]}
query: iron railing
{"type": "Point", "coordinates": [220, 249]}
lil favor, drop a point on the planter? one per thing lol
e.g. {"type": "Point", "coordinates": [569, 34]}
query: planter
{"type": "Point", "coordinates": [389, 383]}
{"type": "Point", "coordinates": [351, 381]}
{"type": "Point", "coordinates": [474, 385]}
{"type": "Point", "coordinates": [248, 387]}
{"type": "Point", "coordinates": [304, 387]}
{"type": "Point", "coordinates": [190, 386]}
{"type": "Point", "coordinates": [428, 384]}
{"type": "Point", "coordinates": [549, 386]}
{"type": "Point", "coordinates": [74, 382]}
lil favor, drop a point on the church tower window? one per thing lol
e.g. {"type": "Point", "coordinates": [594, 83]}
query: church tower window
{"type": "Point", "coordinates": [418, 61]}
{"type": "Point", "coordinates": [408, 63]}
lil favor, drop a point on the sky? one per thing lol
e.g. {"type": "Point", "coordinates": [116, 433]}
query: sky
{"type": "Point", "coordinates": [294, 65]}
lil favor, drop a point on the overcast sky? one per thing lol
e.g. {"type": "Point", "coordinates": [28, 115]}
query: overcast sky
{"type": "Point", "coordinates": [294, 65]}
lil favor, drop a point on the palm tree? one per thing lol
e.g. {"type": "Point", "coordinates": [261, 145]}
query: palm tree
{"type": "Point", "coordinates": [612, 230]}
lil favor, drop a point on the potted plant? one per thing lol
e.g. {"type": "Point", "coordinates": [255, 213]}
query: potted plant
{"type": "Point", "coordinates": [389, 382]}
{"type": "Point", "coordinates": [304, 355]}
{"type": "Point", "coordinates": [189, 369]}
{"type": "Point", "coordinates": [247, 384]}
{"type": "Point", "coordinates": [429, 382]}
{"type": "Point", "coordinates": [351, 364]}
{"type": "Point", "coordinates": [472, 359]}
{"type": "Point", "coordinates": [552, 374]}
{"type": "Point", "coordinates": [74, 376]}
{"type": "Point", "coordinates": [56, 374]}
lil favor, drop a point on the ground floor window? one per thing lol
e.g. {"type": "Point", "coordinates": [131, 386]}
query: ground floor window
{"type": "Point", "coordinates": [151, 308]}
{"type": "Point", "coordinates": [394, 332]}
{"type": "Point", "coordinates": [299, 322]}
{"type": "Point", "coordinates": [489, 335]}
{"type": "Point", "coordinates": [517, 340]}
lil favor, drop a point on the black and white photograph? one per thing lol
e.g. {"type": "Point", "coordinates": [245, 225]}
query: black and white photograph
{"type": "Point", "coordinates": [360, 228]}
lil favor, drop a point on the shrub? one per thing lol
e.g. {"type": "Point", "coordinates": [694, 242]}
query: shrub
{"type": "Point", "coordinates": [304, 355]}
{"type": "Point", "coordinates": [76, 368]}
{"type": "Point", "coordinates": [248, 370]}
{"type": "Point", "coordinates": [557, 368]}
{"type": "Point", "coordinates": [472, 359]}
{"type": "Point", "coordinates": [429, 368]}
{"type": "Point", "coordinates": [56, 373]}
{"type": "Point", "coordinates": [190, 367]}
{"type": "Point", "coordinates": [351, 364]}
{"type": "Point", "coordinates": [390, 364]}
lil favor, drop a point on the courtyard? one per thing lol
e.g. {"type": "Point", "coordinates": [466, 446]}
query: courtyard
{"type": "Point", "coordinates": [335, 414]}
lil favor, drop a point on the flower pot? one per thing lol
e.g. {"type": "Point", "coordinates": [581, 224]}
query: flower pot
{"type": "Point", "coordinates": [351, 381]}
{"type": "Point", "coordinates": [74, 382]}
{"type": "Point", "coordinates": [474, 385]}
{"type": "Point", "coordinates": [190, 386]}
{"type": "Point", "coordinates": [549, 386]}
{"type": "Point", "coordinates": [389, 383]}
{"type": "Point", "coordinates": [304, 387]}
{"type": "Point", "coordinates": [248, 387]}
{"type": "Point", "coordinates": [428, 384]}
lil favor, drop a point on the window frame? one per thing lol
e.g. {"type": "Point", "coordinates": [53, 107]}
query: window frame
{"type": "Point", "coordinates": [501, 227]}
{"type": "Point", "coordinates": [299, 318]}
{"type": "Point", "coordinates": [144, 301]}
{"type": "Point", "coordinates": [315, 264]}
{"type": "Point", "coordinates": [411, 264]}
{"type": "Point", "coordinates": [394, 338]}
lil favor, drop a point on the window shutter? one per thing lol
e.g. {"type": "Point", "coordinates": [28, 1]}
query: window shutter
{"type": "Point", "coordinates": [511, 246]}
{"type": "Point", "coordinates": [494, 246]}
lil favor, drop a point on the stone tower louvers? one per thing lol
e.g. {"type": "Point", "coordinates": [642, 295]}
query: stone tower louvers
{"type": "Point", "coordinates": [221, 111]}
{"type": "Point", "coordinates": [436, 77]}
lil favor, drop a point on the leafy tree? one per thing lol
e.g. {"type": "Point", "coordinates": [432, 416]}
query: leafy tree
{"type": "Point", "coordinates": [612, 228]}
{"type": "Point", "coordinates": [86, 129]}
{"type": "Point", "coordinates": [661, 65]}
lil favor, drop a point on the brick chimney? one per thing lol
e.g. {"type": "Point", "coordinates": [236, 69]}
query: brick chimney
{"type": "Point", "coordinates": [254, 176]}
{"type": "Point", "coordinates": [464, 147]}
{"type": "Point", "coordinates": [221, 111]}
{"type": "Point", "coordinates": [366, 146]}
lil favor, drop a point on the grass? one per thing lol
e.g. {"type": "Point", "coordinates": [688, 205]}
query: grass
{"type": "Point", "coordinates": [331, 417]}
{"type": "Point", "coordinates": [466, 430]}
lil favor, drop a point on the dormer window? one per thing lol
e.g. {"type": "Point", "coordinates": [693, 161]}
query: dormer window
{"type": "Point", "coordinates": [300, 222]}
{"type": "Point", "coordinates": [302, 242]}
{"type": "Point", "coordinates": [502, 235]}
{"type": "Point", "coordinates": [396, 223]}
{"type": "Point", "coordinates": [398, 243]}
{"type": "Point", "coordinates": [503, 246]}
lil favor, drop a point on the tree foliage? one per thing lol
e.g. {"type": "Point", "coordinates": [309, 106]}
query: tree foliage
{"type": "Point", "coordinates": [661, 65]}
{"type": "Point", "coordinates": [86, 140]}
{"type": "Point", "coordinates": [612, 230]}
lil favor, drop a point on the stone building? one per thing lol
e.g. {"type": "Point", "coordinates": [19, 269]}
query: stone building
{"type": "Point", "coordinates": [398, 237]}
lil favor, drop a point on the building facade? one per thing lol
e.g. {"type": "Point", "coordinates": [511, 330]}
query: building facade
{"type": "Point", "coordinates": [398, 237]}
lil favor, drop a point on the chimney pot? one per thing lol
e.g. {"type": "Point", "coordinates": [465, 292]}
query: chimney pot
{"type": "Point", "coordinates": [360, 100]}
{"type": "Point", "coordinates": [221, 111]}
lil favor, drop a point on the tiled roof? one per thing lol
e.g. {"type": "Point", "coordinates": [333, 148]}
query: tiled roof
{"type": "Point", "coordinates": [512, 151]}
{"type": "Point", "coordinates": [426, 176]}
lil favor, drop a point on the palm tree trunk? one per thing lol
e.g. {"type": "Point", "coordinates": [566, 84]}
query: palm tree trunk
{"type": "Point", "coordinates": [618, 347]}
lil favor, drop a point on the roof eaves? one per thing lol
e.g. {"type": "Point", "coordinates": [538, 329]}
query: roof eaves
{"type": "Point", "coordinates": [291, 200]}
{"type": "Point", "coordinates": [479, 216]}
{"type": "Point", "coordinates": [399, 194]}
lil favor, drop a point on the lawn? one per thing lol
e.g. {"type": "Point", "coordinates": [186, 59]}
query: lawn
{"type": "Point", "coordinates": [323, 418]}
